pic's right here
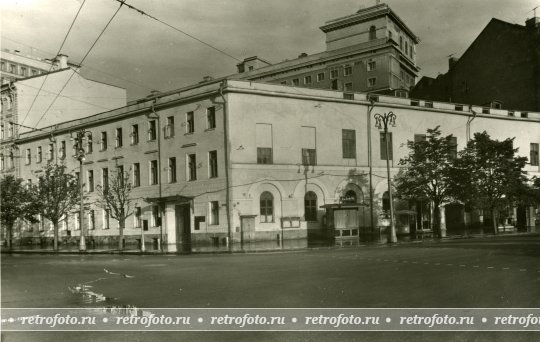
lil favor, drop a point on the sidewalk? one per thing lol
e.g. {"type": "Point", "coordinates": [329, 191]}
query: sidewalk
{"type": "Point", "coordinates": [254, 247]}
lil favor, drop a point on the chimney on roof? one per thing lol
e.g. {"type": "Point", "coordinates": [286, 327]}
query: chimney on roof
{"type": "Point", "coordinates": [451, 62]}
{"type": "Point", "coordinates": [61, 61]}
{"type": "Point", "coordinates": [302, 55]}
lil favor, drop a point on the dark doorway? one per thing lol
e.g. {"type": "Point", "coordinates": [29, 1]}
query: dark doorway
{"type": "Point", "coordinates": [521, 218]}
{"type": "Point", "coordinates": [183, 227]}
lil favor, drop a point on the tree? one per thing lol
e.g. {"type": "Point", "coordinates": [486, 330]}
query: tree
{"type": "Point", "coordinates": [58, 193]}
{"type": "Point", "coordinates": [426, 172]}
{"type": "Point", "coordinates": [489, 174]}
{"type": "Point", "coordinates": [17, 203]}
{"type": "Point", "coordinates": [114, 196]}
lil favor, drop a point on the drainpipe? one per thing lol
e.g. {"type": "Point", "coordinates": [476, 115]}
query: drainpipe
{"type": "Point", "coordinates": [160, 202]}
{"type": "Point", "coordinates": [370, 163]}
{"type": "Point", "coordinates": [227, 161]}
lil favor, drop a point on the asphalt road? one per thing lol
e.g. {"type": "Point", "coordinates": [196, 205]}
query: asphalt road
{"type": "Point", "coordinates": [492, 272]}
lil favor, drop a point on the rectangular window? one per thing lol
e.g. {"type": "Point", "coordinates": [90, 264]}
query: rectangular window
{"type": "Point", "coordinates": [119, 141]}
{"type": "Point", "coordinates": [105, 178]}
{"type": "Point", "coordinates": [307, 80]}
{"type": "Point", "coordinates": [13, 68]}
{"type": "Point", "coordinates": [172, 170]}
{"type": "Point", "coordinates": [156, 222]}
{"type": "Point", "coordinates": [11, 129]}
{"type": "Point", "coordinates": [28, 156]}
{"type": "Point", "coordinates": [264, 155]}
{"type": "Point", "coordinates": [334, 73]}
{"type": "Point", "coordinates": [348, 86]}
{"type": "Point", "coordinates": [283, 82]}
{"type": "Point", "coordinates": [136, 174]}
{"type": "Point", "coordinates": [2, 162]}
{"type": "Point", "coordinates": [212, 164]}
{"type": "Point", "coordinates": [106, 217]}
{"type": "Point", "coordinates": [92, 220]}
{"type": "Point", "coordinates": [347, 71]}
{"type": "Point", "coordinates": [453, 143]}
{"type": "Point", "coordinates": [372, 81]}
{"type": "Point", "coordinates": [211, 117]}
{"type": "Point", "coordinates": [308, 141]}
{"type": "Point", "coordinates": [39, 156]}
{"type": "Point", "coordinates": [320, 77]}
{"type": "Point", "coordinates": [214, 212]}
{"type": "Point", "coordinates": [90, 177]}
{"type": "Point", "coordinates": [138, 217]}
{"type": "Point", "coordinates": [134, 134]}
{"type": "Point", "coordinates": [419, 138]}
{"type": "Point", "coordinates": [89, 144]}
{"type": "Point", "coordinates": [50, 154]}
{"type": "Point", "coordinates": [103, 141]}
{"type": "Point", "coordinates": [400, 42]}
{"type": "Point", "coordinates": [295, 82]}
{"type": "Point", "coordinates": [153, 172]}
{"type": "Point", "coordinates": [372, 65]}
{"type": "Point", "coordinates": [120, 174]}
{"type": "Point", "coordinates": [62, 149]}
{"type": "Point", "coordinates": [192, 167]}
{"type": "Point", "coordinates": [383, 146]}
{"type": "Point", "coordinates": [190, 122]}
{"type": "Point", "coordinates": [152, 130]}
{"type": "Point", "coordinates": [24, 71]}
{"type": "Point", "coordinates": [309, 156]}
{"type": "Point", "coordinates": [264, 143]}
{"type": "Point", "coordinates": [35, 72]}
{"type": "Point", "coordinates": [170, 127]}
{"type": "Point", "coordinates": [2, 131]}
{"type": "Point", "coordinates": [349, 143]}
{"type": "Point", "coordinates": [534, 154]}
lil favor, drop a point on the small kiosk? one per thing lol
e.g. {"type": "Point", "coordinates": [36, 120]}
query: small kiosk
{"type": "Point", "coordinates": [343, 220]}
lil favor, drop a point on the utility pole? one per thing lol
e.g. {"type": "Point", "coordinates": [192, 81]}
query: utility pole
{"type": "Point", "coordinates": [80, 155]}
{"type": "Point", "coordinates": [381, 122]}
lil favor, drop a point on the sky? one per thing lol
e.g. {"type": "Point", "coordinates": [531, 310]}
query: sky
{"type": "Point", "coordinates": [140, 54]}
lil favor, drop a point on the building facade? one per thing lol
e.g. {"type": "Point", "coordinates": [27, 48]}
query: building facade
{"type": "Point", "coordinates": [372, 50]}
{"type": "Point", "coordinates": [14, 65]}
{"type": "Point", "coordinates": [244, 161]}
{"type": "Point", "coordinates": [47, 99]}
{"type": "Point", "coordinates": [500, 69]}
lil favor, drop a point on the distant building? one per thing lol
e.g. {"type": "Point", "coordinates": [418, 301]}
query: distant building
{"type": "Point", "coordinates": [501, 69]}
{"type": "Point", "coordinates": [15, 65]}
{"type": "Point", "coordinates": [372, 50]}
{"type": "Point", "coordinates": [49, 98]}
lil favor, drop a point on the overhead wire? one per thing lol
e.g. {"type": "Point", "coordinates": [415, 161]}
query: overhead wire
{"type": "Point", "coordinates": [82, 61]}
{"type": "Point", "coordinates": [52, 64]}
{"type": "Point", "coordinates": [177, 29]}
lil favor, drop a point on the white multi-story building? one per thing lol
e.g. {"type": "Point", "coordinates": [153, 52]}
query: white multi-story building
{"type": "Point", "coordinates": [254, 161]}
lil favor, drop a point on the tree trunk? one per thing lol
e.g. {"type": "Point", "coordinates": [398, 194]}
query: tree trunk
{"type": "Point", "coordinates": [121, 225]}
{"type": "Point", "coordinates": [9, 234]}
{"type": "Point", "coordinates": [494, 222]}
{"type": "Point", "coordinates": [437, 219]}
{"type": "Point", "coordinates": [55, 224]}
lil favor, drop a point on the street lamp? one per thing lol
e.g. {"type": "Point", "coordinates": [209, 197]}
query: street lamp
{"type": "Point", "coordinates": [381, 122]}
{"type": "Point", "coordinates": [80, 155]}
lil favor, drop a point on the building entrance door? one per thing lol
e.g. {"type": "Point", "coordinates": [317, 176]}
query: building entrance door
{"type": "Point", "coordinates": [183, 227]}
{"type": "Point", "coordinates": [247, 228]}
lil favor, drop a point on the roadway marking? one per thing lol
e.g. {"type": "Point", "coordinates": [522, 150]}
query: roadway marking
{"type": "Point", "coordinates": [523, 270]}
{"type": "Point", "coordinates": [489, 267]}
{"type": "Point", "coordinates": [506, 268]}
{"type": "Point", "coordinates": [476, 266]}
{"type": "Point", "coordinates": [462, 265]}
{"type": "Point", "coordinates": [449, 264]}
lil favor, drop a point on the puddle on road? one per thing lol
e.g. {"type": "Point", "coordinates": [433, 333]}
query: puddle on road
{"type": "Point", "coordinates": [86, 294]}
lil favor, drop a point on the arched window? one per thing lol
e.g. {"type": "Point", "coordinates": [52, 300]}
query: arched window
{"type": "Point", "coordinates": [267, 207]}
{"type": "Point", "coordinates": [350, 197]}
{"type": "Point", "coordinates": [386, 201]}
{"type": "Point", "coordinates": [310, 206]}
{"type": "Point", "coordinates": [372, 33]}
